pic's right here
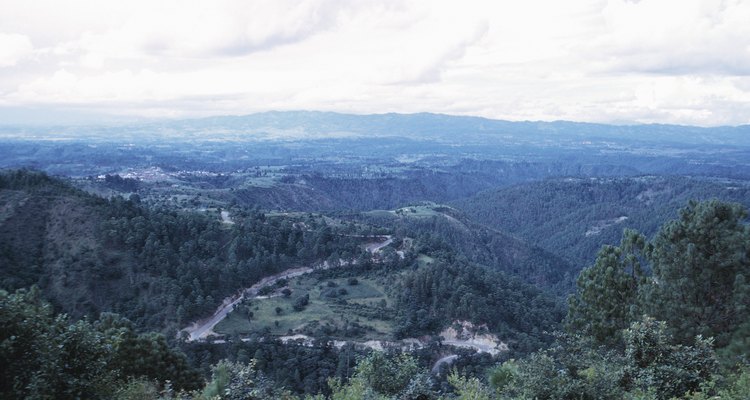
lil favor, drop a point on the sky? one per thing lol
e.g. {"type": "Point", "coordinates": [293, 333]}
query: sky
{"type": "Point", "coordinates": [612, 61]}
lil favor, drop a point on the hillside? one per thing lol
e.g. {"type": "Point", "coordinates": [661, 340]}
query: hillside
{"type": "Point", "coordinates": [325, 186]}
{"type": "Point", "coordinates": [164, 268]}
{"type": "Point", "coordinates": [158, 267]}
{"type": "Point", "coordinates": [574, 217]}
{"type": "Point", "coordinates": [439, 228]}
{"type": "Point", "coordinates": [441, 267]}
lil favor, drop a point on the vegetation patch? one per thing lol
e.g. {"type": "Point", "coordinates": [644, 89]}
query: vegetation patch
{"type": "Point", "coordinates": [353, 307]}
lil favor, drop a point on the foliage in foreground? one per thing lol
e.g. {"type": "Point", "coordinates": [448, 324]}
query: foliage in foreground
{"type": "Point", "coordinates": [48, 356]}
{"type": "Point", "coordinates": [690, 278]}
{"type": "Point", "coordinates": [692, 275]}
{"type": "Point", "coordinates": [651, 368]}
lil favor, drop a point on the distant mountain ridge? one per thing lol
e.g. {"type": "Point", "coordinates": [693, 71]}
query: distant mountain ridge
{"type": "Point", "coordinates": [325, 124]}
{"type": "Point", "coordinates": [421, 123]}
{"type": "Point", "coordinates": [444, 126]}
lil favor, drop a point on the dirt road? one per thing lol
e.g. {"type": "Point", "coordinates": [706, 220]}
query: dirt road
{"type": "Point", "coordinates": [375, 247]}
{"type": "Point", "coordinates": [445, 360]}
{"type": "Point", "coordinates": [202, 329]}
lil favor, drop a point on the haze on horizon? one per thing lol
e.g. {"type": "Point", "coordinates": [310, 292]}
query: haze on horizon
{"type": "Point", "coordinates": [611, 61]}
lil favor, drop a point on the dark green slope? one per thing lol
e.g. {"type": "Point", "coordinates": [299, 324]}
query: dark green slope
{"type": "Point", "coordinates": [441, 228]}
{"type": "Point", "coordinates": [575, 217]}
{"type": "Point", "coordinates": [158, 267]}
{"type": "Point", "coordinates": [48, 237]}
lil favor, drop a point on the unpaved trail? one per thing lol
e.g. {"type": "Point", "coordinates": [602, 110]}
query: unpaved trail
{"type": "Point", "coordinates": [408, 344]}
{"type": "Point", "coordinates": [405, 344]}
{"type": "Point", "coordinates": [480, 347]}
{"type": "Point", "coordinates": [375, 247]}
{"type": "Point", "coordinates": [202, 329]}
{"type": "Point", "coordinates": [445, 360]}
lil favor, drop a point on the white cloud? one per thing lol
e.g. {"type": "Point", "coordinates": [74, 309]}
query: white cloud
{"type": "Point", "coordinates": [14, 48]}
{"type": "Point", "coordinates": [677, 61]}
{"type": "Point", "coordinates": [690, 36]}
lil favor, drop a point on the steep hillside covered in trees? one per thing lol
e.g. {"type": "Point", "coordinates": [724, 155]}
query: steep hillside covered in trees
{"type": "Point", "coordinates": [574, 217]}
{"type": "Point", "coordinates": [158, 267]}
{"type": "Point", "coordinates": [443, 229]}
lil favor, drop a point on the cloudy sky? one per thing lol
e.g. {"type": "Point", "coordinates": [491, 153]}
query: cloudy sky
{"type": "Point", "coordinates": [621, 61]}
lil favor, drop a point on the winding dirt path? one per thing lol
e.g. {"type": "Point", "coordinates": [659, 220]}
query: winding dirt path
{"type": "Point", "coordinates": [445, 360]}
{"type": "Point", "coordinates": [202, 329]}
{"type": "Point", "coordinates": [375, 247]}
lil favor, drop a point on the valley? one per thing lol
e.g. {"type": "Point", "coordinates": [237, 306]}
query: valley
{"type": "Point", "coordinates": [240, 240]}
{"type": "Point", "coordinates": [375, 200]}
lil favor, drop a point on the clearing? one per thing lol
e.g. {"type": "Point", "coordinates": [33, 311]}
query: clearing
{"type": "Point", "coordinates": [338, 308]}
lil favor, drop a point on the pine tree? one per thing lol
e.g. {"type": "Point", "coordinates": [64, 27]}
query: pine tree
{"type": "Point", "coordinates": [605, 302]}
{"type": "Point", "coordinates": [699, 263]}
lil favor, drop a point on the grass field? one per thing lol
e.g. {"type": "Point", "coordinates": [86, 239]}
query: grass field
{"type": "Point", "coordinates": [424, 260]}
{"type": "Point", "coordinates": [336, 308]}
{"type": "Point", "coordinates": [425, 210]}
{"type": "Point", "coordinates": [417, 211]}
{"type": "Point", "coordinates": [260, 181]}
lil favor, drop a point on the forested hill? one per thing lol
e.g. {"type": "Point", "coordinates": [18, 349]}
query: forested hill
{"type": "Point", "coordinates": [574, 217]}
{"type": "Point", "coordinates": [327, 188]}
{"type": "Point", "coordinates": [163, 268]}
{"type": "Point", "coordinates": [440, 228]}
{"type": "Point", "coordinates": [158, 267]}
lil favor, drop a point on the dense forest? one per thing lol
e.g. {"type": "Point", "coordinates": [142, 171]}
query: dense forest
{"type": "Point", "coordinates": [574, 217]}
{"type": "Point", "coordinates": [443, 229]}
{"type": "Point", "coordinates": [452, 290]}
{"type": "Point", "coordinates": [656, 318]}
{"type": "Point", "coordinates": [375, 200]}
{"type": "Point", "coordinates": [99, 286]}
{"type": "Point", "coordinates": [158, 267]}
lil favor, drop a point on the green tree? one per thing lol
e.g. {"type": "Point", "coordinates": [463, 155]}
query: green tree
{"type": "Point", "coordinates": [736, 386]}
{"type": "Point", "coordinates": [379, 376]}
{"type": "Point", "coordinates": [502, 375]}
{"type": "Point", "coordinates": [606, 300]}
{"type": "Point", "coordinates": [572, 368]}
{"type": "Point", "coordinates": [700, 265]}
{"type": "Point", "coordinates": [46, 357]}
{"type": "Point", "coordinates": [468, 388]}
{"type": "Point", "coordinates": [50, 357]}
{"type": "Point", "coordinates": [234, 381]}
{"type": "Point", "coordinates": [671, 370]}
{"type": "Point", "coordinates": [145, 355]}
{"type": "Point", "coordinates": [738, 350]}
